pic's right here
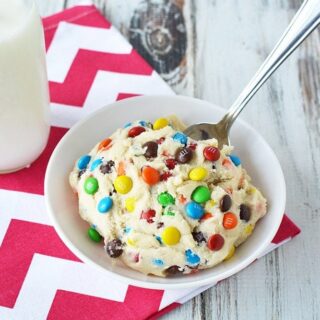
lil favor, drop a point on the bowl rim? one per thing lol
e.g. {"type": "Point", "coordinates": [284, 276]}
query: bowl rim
{"type": "Point", "coordinates": [155, 285]}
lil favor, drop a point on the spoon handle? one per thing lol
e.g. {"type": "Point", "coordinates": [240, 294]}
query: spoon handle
{"type": "Point", "coordinates": [303, 23]}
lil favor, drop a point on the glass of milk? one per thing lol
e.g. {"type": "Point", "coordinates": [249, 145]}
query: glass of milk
{"type": "Point", "coordinates": [24, 98]}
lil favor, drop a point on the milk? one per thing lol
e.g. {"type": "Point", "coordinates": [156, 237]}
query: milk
{"type": "Point", "coordinates": [24, 99]}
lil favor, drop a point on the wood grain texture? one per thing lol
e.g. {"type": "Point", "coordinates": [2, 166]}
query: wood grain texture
{"type": "Point", "coordinates": [227, 41]}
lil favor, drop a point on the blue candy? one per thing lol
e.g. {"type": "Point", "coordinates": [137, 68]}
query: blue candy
{"type": "Point", "coordinates": [191, 257]}
{"type": "Point", "coordinates": [159, 239]}
{"type": "Point", "coordinates": [127, 229]}
{"type": "Point", "coordinates": [143, 123]}
{"type": "Point", "coordinates": [83, 162]}
{"type": "Point", "coordinates": [95, 164]}
{"type": "Point", "coordinates": [158, 262]}
{"type": "Point", "coordinates": [105, 204]}
{"type": "Point", "coordinates": [180, 137]}
{"type": "Point", "coordinates": [194, 210]}
{"type": "Point", "coordinates": [236, 160]}
{"type": "Point", "coordinates": [128, 125]}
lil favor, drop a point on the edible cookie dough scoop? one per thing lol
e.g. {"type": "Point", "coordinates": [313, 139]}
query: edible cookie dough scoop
{"type": "Point", "coordinates": [303, 23]}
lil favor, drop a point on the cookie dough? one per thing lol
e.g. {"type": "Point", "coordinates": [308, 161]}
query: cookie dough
{"type": "Point", "coordinates": [166, 204]}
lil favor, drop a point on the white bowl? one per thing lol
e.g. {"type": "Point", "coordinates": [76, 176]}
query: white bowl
{"type": "Point", "coordinates": [256, 155]}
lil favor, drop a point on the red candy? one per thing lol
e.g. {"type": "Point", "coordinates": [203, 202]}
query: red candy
{"type": "Point", "coordinates": [165, 176]}
{"type": "Point", "coordinates": [148, 215]}
{"type": "Point", "coordinates": [170, 163]}
{"type": "Point", "coordinates": [211, 153]}
{"type": "Point", "coordinates": [215, 242]}
{"type": "Point", "coordinates": [193, 146]}
{"type": "Point", "coordinates": [159, 141]}
{"type": "Point", "coordinates": [135, 131]}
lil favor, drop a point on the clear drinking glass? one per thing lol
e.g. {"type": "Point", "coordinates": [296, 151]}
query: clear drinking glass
{"type": "Point", "coordinates": [24, 97]}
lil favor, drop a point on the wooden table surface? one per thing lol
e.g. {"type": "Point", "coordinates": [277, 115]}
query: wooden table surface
{"type": "Point", "coordinates": [210, 49]}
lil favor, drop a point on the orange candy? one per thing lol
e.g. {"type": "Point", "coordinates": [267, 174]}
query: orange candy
{"type": "Point", "coordinates": [121, 169]}
{"type": "Point", "coordinates": [206, 216]}
{"type": "Point", "coordinates": [182, 199]}
{"type": "Point", "coordinates": [104, 144]}
{"type": "Point", "coordinates": [150, 175]}
{"type": "Point", "coordinates": [229, 220]}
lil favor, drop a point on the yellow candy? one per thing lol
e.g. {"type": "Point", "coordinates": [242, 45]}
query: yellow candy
{"type": "Point", "coordinates": [123, 184]}
{"type": "Point", "coordinates": [231, 253]}
{"type": "Point", "coordinates": [170, 236]}
{"type": "Point", "coordinates": [248, 229]}
{"type": "Point", "coordinates": [198, 173]}
{"type": "Point", "coordinates": [130, 204]}
{"type": "Point", "coordinates": [160, 123]}
{"type": "Point", "coordinates": [131, 242]}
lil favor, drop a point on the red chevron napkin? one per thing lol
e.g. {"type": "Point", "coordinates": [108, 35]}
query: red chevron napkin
{"type": "Point", "coordinates": [89, 65]}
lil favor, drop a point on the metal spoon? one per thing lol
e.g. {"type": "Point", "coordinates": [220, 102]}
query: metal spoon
{"type": "Point", "coordinates": [303, 23]}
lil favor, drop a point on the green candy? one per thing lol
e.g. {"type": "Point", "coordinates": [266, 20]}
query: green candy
{"type": "Point", "coordinates": [201, 194]}
{"type": "Point", "coordinates": [165, 198]}
{"type": "Point", "coordinates": [91, 185]}
{"type": "Point", "coordinates": [94, 235]}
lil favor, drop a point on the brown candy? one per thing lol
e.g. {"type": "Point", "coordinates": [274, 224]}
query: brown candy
{"type": "Point", "coordinates": [173, 270]}
{"type": "Point", "coordinates": [107, 168]}
{"type": "Point", "coordinates": [152, 149]}
{"type": "Point", "coordinates": [114, 248]}
{"type": "Point", "coordinates": [198, 237]}
{"type": "Point", "coordinates": [184, 155]}
{"type": "Point", "coordinates": [225, 203]}
{"type": "Point", "coordinates": [245, 212]}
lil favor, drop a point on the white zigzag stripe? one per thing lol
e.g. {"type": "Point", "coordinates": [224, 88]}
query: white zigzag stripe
{"type": "Point", "coordinates": [22, 206]}
{"type": "Point", "coordinates": [104, 90]}
{"type": "Point", "coordinates": [69, 38]}
{"type": "Point", "coordinates": [47, 274]}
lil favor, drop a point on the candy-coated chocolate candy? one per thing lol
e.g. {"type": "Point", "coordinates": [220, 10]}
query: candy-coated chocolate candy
{"type": "Point", "coordinates": [143, 123]}
{"type": "Point", "coordinates": [130, 204]}
{"type": "Point", "coordinates": [148, 215]}
{"type": "Point", "coordinates": [135, 131]}
{"type": "Point", "coordinates": [83, 162]}
{"type": "Point", "coordinates": [194, 210]}
{"type": "Point", "coordinates": [211, 153]}
{"type": "Point", "coordinates": [91, 185]}
{"type": "Point", "coordinates": [198, 237]}
{"type": "Point", "coordinates": [245, 212]}
{"type": "Point", "coordinates": [170, 236]}
{"type": "Point", "coordinates": [165, 176]}
{"type": "Point", "coordinates": [173, 270]}
{"type": "Point", "coordinates": [230, 220]}
{"type": "Point", "coordinates": [236, 160]}
{"type": "Point", "coordinates": [123, 184]}
{"type": "Point", "coordinates": [158, 262]}
{"type": "Point", "coordinates": [160, 123]}
{"type": "Point", "coordinates": [165, 198]}
{"type": "Point", "coordinates": [198, 173]}
{"type": "Point", "coordinates": [104, 144]}
{"type": "Point", "coordinates": [180, 137]}
{"type": "Point", "coordinates": [207, 216]}
{"type": "Point", "coordinates": [230, 253]}
{"type": "Point", "coordinates": [201, 194]}
{"type": "Point", "coordinates": [184, 155]}
{"type": "Point", "coordinates": [225, 203]}
{"type": "Point", "coordinates": [191, 257]}
{"type": "Point", "coordinates": [150, 175]}
{"type": "Point", "coordinates": [94, 235]}
{"type": "Point", "coordinates": [215, 242]}
{"type": "Point", "coordinates": [170, 163]}
{"type": "Point", "coordinates": [107, 168]}
{"type": "Point", "coordinates": [151, 149]}
{"type": "Point", "coordinates": [95, 164]}
{"type": "Point", "coordinates": [105, 204]}
{"type": "Point", "coordinates": [114, 248]}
